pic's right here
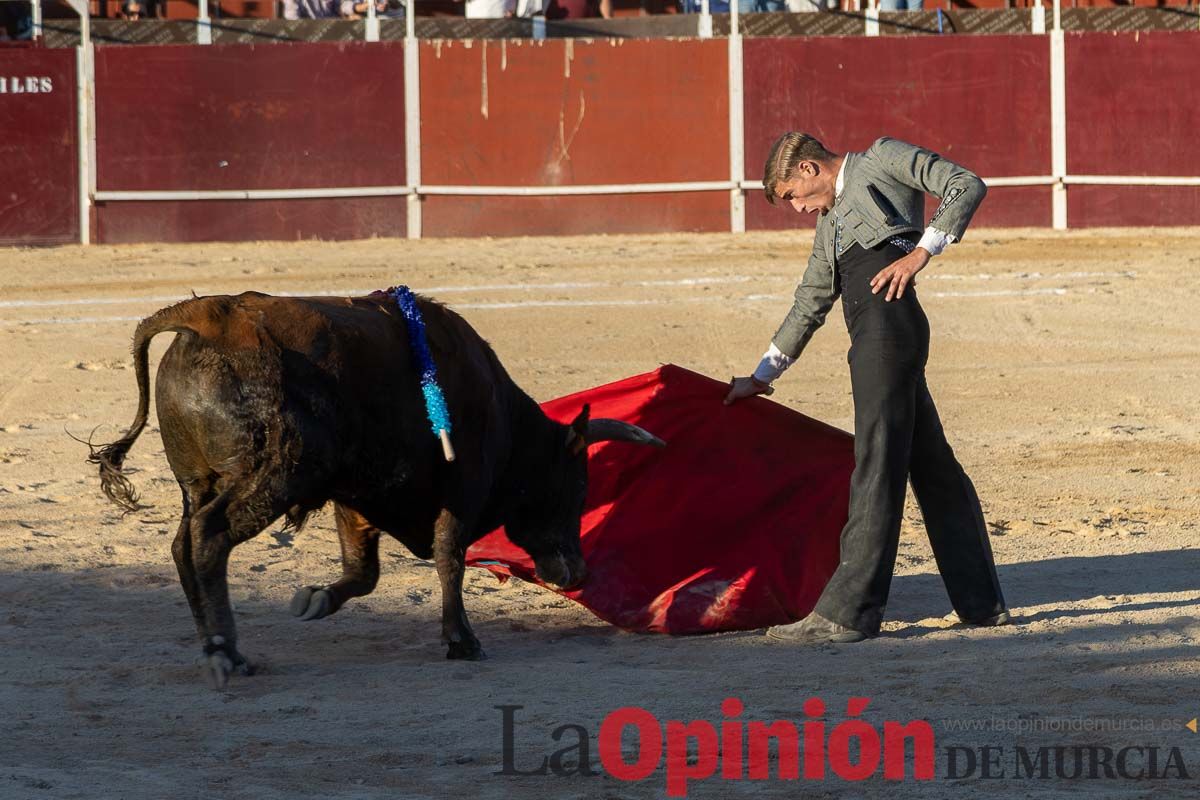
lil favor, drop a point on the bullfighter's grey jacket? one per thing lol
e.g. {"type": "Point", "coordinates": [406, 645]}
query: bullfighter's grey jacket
{"type": "Point", "coordinates": [883, 196]}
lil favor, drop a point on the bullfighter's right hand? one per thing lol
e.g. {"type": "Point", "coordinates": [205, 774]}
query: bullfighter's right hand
{"type": "Point", "coordinates": [746, 387]}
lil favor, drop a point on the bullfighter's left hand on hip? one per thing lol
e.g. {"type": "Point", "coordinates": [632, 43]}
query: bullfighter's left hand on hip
{"type": "Point", "coordinates": [897, 275]}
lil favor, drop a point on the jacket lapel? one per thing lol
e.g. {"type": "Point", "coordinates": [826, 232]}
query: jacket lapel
{"type": "Point", "coordinates": [843, 206]}
{"type": "Point", "coordinates": [847, 178]}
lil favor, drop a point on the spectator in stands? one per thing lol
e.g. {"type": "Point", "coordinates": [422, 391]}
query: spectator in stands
{"type": "Point", "coordinates": [16, 22]}
{"type": "Point", "coordinates": [901, 5]}
{"type": "Point", "coordinates": [530, 8]}
{"type": "Point", "coordinates": [758, 6]}
{"type": "Point", "coordinates": [761, 6]}
{"type": "Point", "coordinates": [490, 9]}
{"type": "Point", "coordinates": [645, 7]}
{"type": "Point", "coordinates": [358, 10]}
{"type": "Point", "coordinates": [132, 10]}
{"type": "Point", "coordinates": [329, 9]}
{"type": "Point", "coordinates": [311, 9]}
{"type": "Point", "coordinates": [714, 6]}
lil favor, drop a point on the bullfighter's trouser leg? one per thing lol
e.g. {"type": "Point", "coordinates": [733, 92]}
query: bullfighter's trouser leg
{"type": "Point", "coordinates": [884, 383]}
{"type": "Point", "coordinates": [953, 518]}
{"type": "Point", "coordinates": [897, 433]}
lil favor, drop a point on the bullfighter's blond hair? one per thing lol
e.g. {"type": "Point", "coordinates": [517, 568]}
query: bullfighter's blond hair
{"type": "Point", "coordinates": [786, 154]}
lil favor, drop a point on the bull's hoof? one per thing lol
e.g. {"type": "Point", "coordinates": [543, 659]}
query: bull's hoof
{"type": "Point", "coordinates": [217, 669]}
{"type": "Point", "coordinates": [465, 651]}
{"type": "Point", "coordinates": [218, 666]}
{"type": "Point", "coordinates": [312, 602]}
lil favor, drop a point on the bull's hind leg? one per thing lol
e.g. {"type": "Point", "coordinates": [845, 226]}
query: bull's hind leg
{"type": "Point", "coordinates": [194, 496]}
{"type": "Point", "coordinates": [233, 516]}
{"type": "Point", "coordinates": [360, 568]}
{"type": "Point", "coordinates": [450, 555]}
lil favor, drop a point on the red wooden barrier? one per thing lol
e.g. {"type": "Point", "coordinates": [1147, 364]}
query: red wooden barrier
{"type": "Point", "coordinates": [278, 116]}
{"type": "Point", "coordinates": [562, 112]}
{"type": "Point", "coordinates": [983, 101]}
{"type": "Point", "coordinates": [1131, 110]}
{"type": "Point", "coordinates": [39, 152]}
{"type": "Point", "coordinates": [185, 9]}
{"type": "Point", "coordinates": [553, 216]}
{"type": "Point", "coordinates": [250, 220]}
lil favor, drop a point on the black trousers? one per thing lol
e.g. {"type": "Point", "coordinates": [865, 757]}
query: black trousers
{"type": "Point", "coordinates": [898, 437]}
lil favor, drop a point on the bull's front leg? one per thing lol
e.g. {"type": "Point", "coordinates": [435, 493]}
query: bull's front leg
{"type": "Point", "coordinates": [450, 555]}
{"type": "Point", "coordinates": [360, 568]}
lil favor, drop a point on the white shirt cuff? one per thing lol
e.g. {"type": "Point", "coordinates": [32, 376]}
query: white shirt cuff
{"type": "Point", "coordinates": [774, 363]}
{"type": "Point", "coordinates": [935, 241]}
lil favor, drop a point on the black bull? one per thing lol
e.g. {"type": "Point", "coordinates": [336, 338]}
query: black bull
{"type": "Point", "coordinates": [272, 407]}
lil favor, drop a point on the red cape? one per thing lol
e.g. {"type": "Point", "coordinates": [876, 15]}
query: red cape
{"type": "Point", "coordinates": [733, 526]}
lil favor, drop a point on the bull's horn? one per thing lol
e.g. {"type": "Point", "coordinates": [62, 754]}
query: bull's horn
{"type": "Point", "coordinates": [614, 430]}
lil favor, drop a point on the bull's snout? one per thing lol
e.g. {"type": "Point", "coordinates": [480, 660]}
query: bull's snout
{"type": "Point", "coordinates": [559, 571]}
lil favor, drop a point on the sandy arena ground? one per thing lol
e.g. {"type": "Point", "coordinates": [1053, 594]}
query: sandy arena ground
{"type": "Point", "coordinates": [1066, 368]}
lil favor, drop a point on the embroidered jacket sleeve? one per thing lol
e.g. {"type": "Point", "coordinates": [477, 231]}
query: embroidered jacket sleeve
{"type": "Point", "coordinates": [813, 299]}
{"type": "Point", "coordinates": [960, 190]}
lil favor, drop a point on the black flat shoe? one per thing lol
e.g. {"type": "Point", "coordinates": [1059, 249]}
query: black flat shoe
{"type": "Point", "coordinates": [815, 629]}
{"type": "Point", "coordinates": [1003, 618]}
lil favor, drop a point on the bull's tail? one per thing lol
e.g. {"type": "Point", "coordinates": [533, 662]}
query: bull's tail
{"type": "Point", "coordinates": [111, 457]}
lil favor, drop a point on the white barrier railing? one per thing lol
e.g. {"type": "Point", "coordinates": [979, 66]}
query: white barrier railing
{"type": "Point", "coordinates": [739, 186]}
{"type": "Point", "coordinates": [737, 127]}
{"type": "Point", "coordinates": [736, 185]}
{"type": "Point", "coordinates": [412, 121]}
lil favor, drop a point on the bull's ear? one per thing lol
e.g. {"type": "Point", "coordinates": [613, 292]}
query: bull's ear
{"type": "Point", "coordinates": [577, 434]}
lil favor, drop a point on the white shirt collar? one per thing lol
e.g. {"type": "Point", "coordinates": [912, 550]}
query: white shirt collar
{"type": "Point", "coordinates": [840, 183]}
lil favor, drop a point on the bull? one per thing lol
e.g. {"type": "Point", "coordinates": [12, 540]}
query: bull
{"type": "Point", "coordinates": [271, 407]}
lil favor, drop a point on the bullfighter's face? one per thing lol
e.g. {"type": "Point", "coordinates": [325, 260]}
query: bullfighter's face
{"type": "Point", "coordinates": [809, 189]}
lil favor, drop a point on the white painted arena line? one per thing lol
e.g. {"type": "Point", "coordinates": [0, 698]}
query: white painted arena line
{"type": "Point", "coordinates": [12, 323]}
{"type": "Point", "coordinates": [1004, 293]}
{"type": "Point", "coordinates": [616, 302]}
{"type": "Point", "coordinates": [456, 306]}
{"type": "Point", "coordinates": [175, 298]}
{"type": "Point", "coordinates": [580, 303]}
{"type": "Point", "coordinates": [562, 285]}
{"type": "Point", "coordinates": [1004, 276]}
{"type": "Point", "coordinates": [693, 281]}
{"type": "Point", "coordinates": [494, 287]}
{"type": "Point", "coordinates": [1057, 290]}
